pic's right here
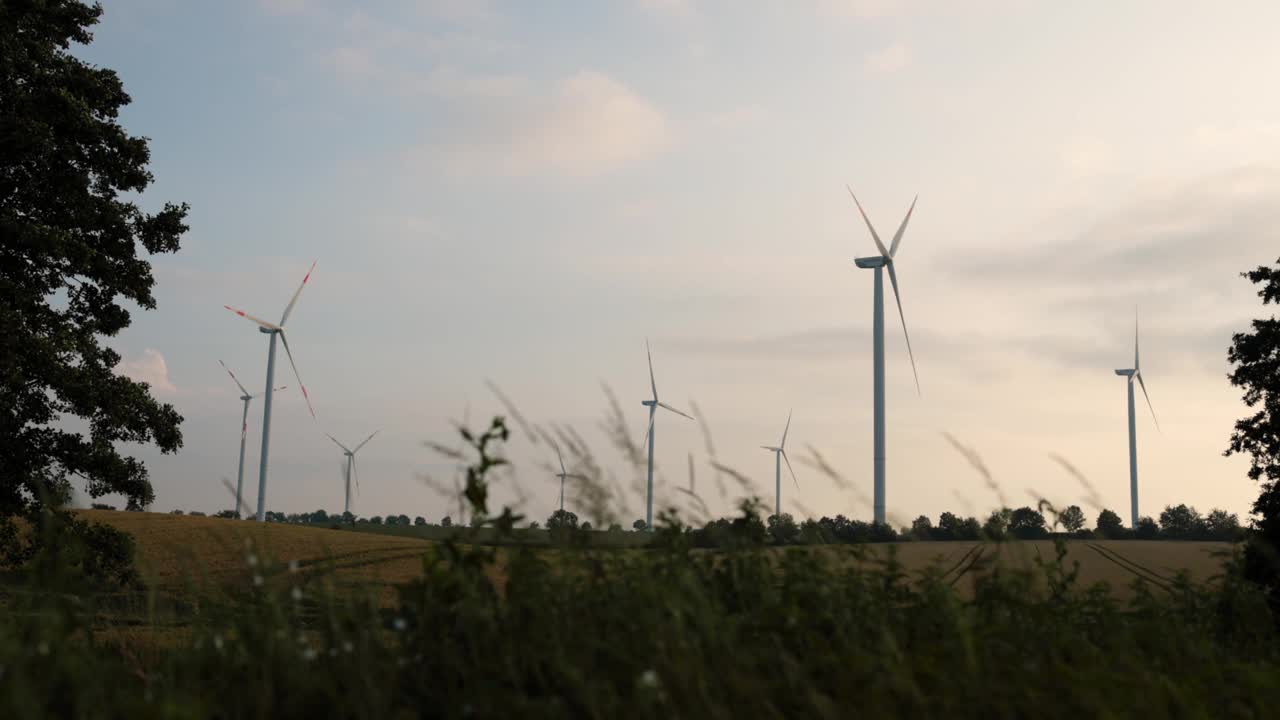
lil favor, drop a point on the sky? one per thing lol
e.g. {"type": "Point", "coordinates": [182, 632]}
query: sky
{"type": "Point", "coordinates": [524, 192]}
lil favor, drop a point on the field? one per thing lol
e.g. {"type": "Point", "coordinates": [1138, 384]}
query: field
{"type": "Point", "coordinates": [179, 552]}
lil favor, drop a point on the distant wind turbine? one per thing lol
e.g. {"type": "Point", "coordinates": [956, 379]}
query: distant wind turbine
{"type": "Point", "coordinates": [244, 431]}
{"type": "Point", "coordinates": [653, 406]}
{"type": "Point", "coordinates": [565, 474]}
{"type": "Point", "coordinates": [780, 454]}
{"type": "Point", "coordinates": [1135, 373]}
{"type": "Point", "coordinates": [879, 263]}
{"type": "Point", "coordinates": [274, 331]}
{"type": "Point", "coordinates": [351, 466]}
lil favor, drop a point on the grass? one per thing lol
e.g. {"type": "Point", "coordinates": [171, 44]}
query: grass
{"type": "Point", "coordinates": [248, 620]}
{"type": "Point", "coordinates": [475, 631]}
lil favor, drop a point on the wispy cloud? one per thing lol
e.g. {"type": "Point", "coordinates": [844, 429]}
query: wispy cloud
{"type": "Point", "coordinates": [149, 368]}
{"type": "Point", "coordinates": [861, 8]}
{"type": "Point", "coordinates": [889, 59]}
{"type": "Point", "coordinates": [667, 8]}
{"type": "Point", "coordinates": [283, 7]}
{"type": "Point", "coordinates": [592, 125]}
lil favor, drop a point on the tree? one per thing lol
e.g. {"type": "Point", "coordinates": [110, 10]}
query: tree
{"type": "Point", "coordinates": [375, 520]}
{"type": "Point", "coordinates": [1027, 524]}
{"type": "Point", "coordinates": [70, 261]}
{"type": "Point", "coordinates": [586, 527]}
{"type": "Point", "coordinates": [419, 521]}
{"type": "Point", "coordinates": [1222, 525]}
{"type": "Point", "coordinates": [783, 529]}
{"type": "Point", "coordinates": [562, 519]}
{"type": "Point", "coordinates": [1256, 357]}
{"type": "Point", "coordinates": [922, 528]}
{"type": "Point", "coordinates": [402, 519]}
{"type": "Point", "coordinates": [446, 522]}
{"type": "Point", "coordinates": [1181, 523]}
{"type": "Point", "coordinates": [1147, 529]}
{"type": "Point", "coordinates": [1072, 519]}
{"type": "Point", "coordinates": [1110, 525]}
{"type": "Point", "coordinates": [997, 525]}
{"type": "Point", "coordinates": [638, 525]}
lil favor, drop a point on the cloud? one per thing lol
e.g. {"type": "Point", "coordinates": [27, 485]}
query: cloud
{"type": "Point", "coordinates": [861, 9]}
{"type": "Point", "coordinates": [283, 7]}
{"type": "Point", "coordinates": [592, 125]}
{"type": "Point", "coordinates": [889, 59]}
{"type": "Point", "coordinates": [150, 368]}
{"type": "Point", "coordinates": [667, 8]}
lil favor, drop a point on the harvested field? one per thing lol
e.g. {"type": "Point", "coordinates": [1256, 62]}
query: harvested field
{"type": "Point", "coordinates": [176, 552]}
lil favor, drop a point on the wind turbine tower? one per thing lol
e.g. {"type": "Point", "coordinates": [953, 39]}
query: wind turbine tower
{"type": "Point", "coordinates": [563, 474]}
{"type": "Point", "coordinates": [780, 454]}
{"type": "Point", "coordinates": [351, 467]}
{"type": "Point", "coordinates": [1135, 373]}
{"type": "Point", "coordinates": [879, 263]}
{"type": "Point", "coordinates": [653, 406]}
{"type": "Point", "coordinates": [275, 331]}
{"type": "Point", "coordinates": [244, 432]}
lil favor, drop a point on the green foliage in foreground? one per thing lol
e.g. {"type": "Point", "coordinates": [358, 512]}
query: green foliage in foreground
{"type": "Point", "coordinates": [670, 632]}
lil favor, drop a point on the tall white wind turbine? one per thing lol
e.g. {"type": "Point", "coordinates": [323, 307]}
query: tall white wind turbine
{"type": "Point", "coordinates": [1135, 373]}
{"type": "Point", "coordinates": [780, 454]}
{"type": "Point", "coordinates": [885, 260]}
{"type": "Point", "coordinates": [244, 432]}
{"type": "Point", "coordinates": [564, 474]}
{"type": "Point", "coordinates": [653, 406]}
{"type": "Point", "coordinates": [274, 330]}
{"type": "Point", "coordinates": [351, 466]}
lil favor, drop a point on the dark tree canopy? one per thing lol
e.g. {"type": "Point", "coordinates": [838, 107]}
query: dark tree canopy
{"type": "Point", "coordinates": [1109, 524]}
{"type": "Point", "coordinates": [1255, 356]}
{"type": "Point", "coordinates": [70, 258]}
{"type": "Point", "coordinates": [1072, 519]}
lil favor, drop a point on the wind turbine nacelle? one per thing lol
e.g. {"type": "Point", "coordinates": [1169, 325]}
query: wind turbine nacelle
{"type": "Point", "coordinates": [648, 403]}
{"type": "Point", "coordinates": [265, 331]}
{"type": "Point", "coordinates": [868, 263]}
{"type": "Point", "coordinates": [1125, 373]}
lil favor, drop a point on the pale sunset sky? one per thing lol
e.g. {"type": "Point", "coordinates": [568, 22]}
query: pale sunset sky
{"type": "Point", "coordinates": [525, 191]}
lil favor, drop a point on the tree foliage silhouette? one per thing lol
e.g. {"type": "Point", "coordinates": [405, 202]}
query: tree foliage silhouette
{"type": "Point", "coordinates": [70, 260]}
{"type": "Point", "coordinates": [1255, 356]}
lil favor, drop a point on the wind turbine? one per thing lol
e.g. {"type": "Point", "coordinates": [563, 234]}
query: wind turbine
{"type": "Point", "coordinates": [879, 263]}
{"type": "Point", "coordinates": [244, 431]}
{"type": "Point", "coordinates": [780, 454]}
{"type": "Point", "coordinates": [565, 474]}
{"type": "Point", "coordinates": [351, 466]}
{"type": "Point", "coordinates": [1135, 373]}
{"type": "Point", "coordinates": [653, 406]}
{"type": "Point", "coordinates": [274, 330]}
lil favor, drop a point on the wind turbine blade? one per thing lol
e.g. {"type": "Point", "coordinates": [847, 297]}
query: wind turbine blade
{"type": "Point", "coordinates": [233, 377]}
{"type": "Point", "coordinates": [893, 278]}
{"type": "Point", "coordinates": [355, 473]}
{"type": "Point", "coordinates": [785, 430]}
{"type": "Point", "coordinates": [275, 389]}
{"type": "Point", "coordinates": [366, 440]}
{"type": "Point", "coordinates": [1136, 365]}
{"type": "Point", "coordinates": [1148, 397]}
{"type": "Point", "coordinates": [250, 318]}
{"type": "Point", "coordinates": [294, 365]}
{"type": "Point", "coordinates": [652, 382]}
{"type": "Point", "coordinates": [874, 235]}
{"type": "Point", "coordinates": [678, 412]}
{"type": "Point", "coordinates": [563, 470]}
{"type": "Point", "coordinates": [897, 237]}
{"type": "Point", "coordinates": [335, 440]}
{"type": "Point", "coordinates": [793, 472]}
{"type": "Point", "coordinates": [294, 300]}
{"type": "Point", "coordinates": [643, 441]}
